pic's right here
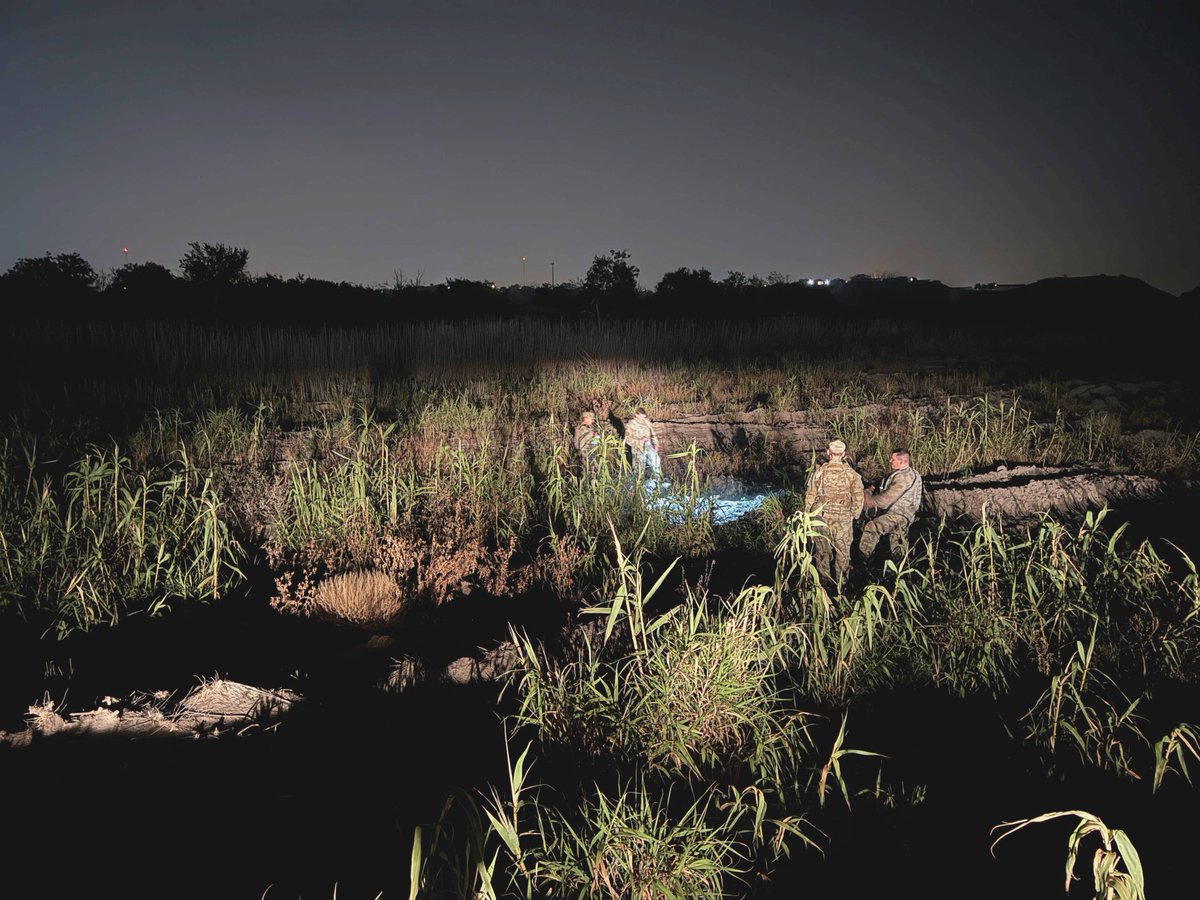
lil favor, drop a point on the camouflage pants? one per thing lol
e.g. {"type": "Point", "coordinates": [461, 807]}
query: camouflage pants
{"type": "Point", "coordinates": [831, 550]}
{"type": "Point", "coordinates": [891, 525]}
{"type": "Point", "coordinates": [645, 457]}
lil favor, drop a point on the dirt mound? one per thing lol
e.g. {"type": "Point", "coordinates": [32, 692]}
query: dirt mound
{"type": "Point", "coordinates": [797, 433]}
{"type": "Point", "coordinates": [1020, 493]}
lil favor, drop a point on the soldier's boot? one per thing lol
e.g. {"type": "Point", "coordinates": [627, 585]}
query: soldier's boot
{"type": "Point", "coordinates": [898, 544]}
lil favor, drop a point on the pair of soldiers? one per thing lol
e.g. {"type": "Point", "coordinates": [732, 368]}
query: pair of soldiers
{"type": "Point", "coordinates": [640, 438]}
{"type": "Point", "coordinates": [838, 490]}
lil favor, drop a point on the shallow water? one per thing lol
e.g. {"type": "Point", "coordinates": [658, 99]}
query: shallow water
{"type": "Point", "coordinates": [726, 501]}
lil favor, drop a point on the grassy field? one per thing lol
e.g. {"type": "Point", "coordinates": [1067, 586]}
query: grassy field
{"type": "Point", "coordinates": [715, 715]}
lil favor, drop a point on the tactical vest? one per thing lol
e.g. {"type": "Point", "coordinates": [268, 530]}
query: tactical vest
{"type": "Point", "coordinates": [837, 487]}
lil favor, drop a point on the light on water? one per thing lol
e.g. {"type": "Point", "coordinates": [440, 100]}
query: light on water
{"type": "Point", "coordinates": [727, 503]}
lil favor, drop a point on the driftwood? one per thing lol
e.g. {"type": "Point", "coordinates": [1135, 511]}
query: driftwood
{"type": "Point", "coordinates": [212, 709]}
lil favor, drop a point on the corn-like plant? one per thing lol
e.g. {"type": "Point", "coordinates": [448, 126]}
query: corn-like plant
{"type": "Point", "coordinates": [1172, 750]}
{"type": "Point", "coordinates": [1116, 867]}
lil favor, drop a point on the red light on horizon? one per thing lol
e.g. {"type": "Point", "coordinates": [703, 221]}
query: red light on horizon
{"type": "Point", "coordinates": [124, 249]}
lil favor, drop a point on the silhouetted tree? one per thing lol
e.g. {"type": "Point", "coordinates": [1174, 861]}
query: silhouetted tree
{"type": "Point", "coordinates": [611, 277]}
{"type": "Point", "coordinates": [214, 265]}
{"type": "Point", "coordinates": [143, 279]}
{"type": "Point", "coordinates": [59, 274]}
{"type": "Point", "coordinates": [686, 291]}
{"type": "Point", "coordinates": [735, 281]}
{"type": "Point", "coordinates": [685, 281]}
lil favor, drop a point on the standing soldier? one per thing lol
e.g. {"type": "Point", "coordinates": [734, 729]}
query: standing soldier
{"type": "Point", "coordinates": [895, 506]}
{"type": "Point", "coordinates": [837, 491]}
{"type": "Point", "coordinates": [586, 441]}
{"type": "Point", "coordinates": [643, 443]}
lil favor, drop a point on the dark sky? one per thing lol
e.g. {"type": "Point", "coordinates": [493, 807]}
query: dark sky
{"type": "Point", "coordinates": [964, 141]}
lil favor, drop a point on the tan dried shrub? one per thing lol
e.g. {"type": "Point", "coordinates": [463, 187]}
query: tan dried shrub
{"type": "Point", "coordinates": [453, 553]}
{"type": "Point", "coordinates": [368, 599]}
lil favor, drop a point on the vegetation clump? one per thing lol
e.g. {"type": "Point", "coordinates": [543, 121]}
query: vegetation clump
{"type": "Point", "coordinates": [693, 732]}
{"type": "Point", "coordinates": [367, 599]}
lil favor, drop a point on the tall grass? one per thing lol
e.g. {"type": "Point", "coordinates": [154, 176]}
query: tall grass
{"type": "Point", "coordinates": [967, 613]}
{"type": "Point", "coordinates": [691, 699]}
{"type": "Point", "coordinates": [631, 841]}
{"type": "Point", "coordinates": [1086, 706]}
{"type": "Point", "coordinates": [104, 541]}
{"type": "Point", "coordinates": [960, 434]}
{"type": "Point", "coordinates": [503, 514]}
{"type": "Point", "coordinates": [157, 365]}
{"type": "Point", "coordinates": [698, 688]}
{"type": "Point", "coordinates": [701, 698]}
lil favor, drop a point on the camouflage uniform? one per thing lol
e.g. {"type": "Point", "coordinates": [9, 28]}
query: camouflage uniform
{"type": "Point", "coordinates": [898, 500]}
{"type": "Point", "coordinates": [587, 443]}
{"type": "Point", "coordinates": [838, 490]}
{"type": "Point", "coordinates": [641, 437]}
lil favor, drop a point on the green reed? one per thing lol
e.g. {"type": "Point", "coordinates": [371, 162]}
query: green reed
{"type": "Point", "coordinates": [968, 613]}
{"type": "Point", "coordinates": [1085, 706]}
{"type": "Point", "coordinates": [636, 839]}
{"type": "Point", "coordinates": [698, 689]}
{"type": "Point", "coordinates": [105, 541]}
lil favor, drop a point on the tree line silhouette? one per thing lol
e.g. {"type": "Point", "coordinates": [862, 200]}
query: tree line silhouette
{"type": "Point", "coordinates": [214, 285]}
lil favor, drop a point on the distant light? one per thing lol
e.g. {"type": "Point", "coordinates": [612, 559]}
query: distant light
{"type": "Point", "coordinates": [124, 249]}
{"type": "Point", "coordinates": [811, 282]}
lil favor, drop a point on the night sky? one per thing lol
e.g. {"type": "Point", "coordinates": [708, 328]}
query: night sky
{"type": "Point", "coordinates": [963, 141]}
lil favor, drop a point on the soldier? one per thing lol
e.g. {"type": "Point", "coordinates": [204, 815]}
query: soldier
{"type": "Point", "coordinates": [643, 443]}
{"type": "Point", "coordinates": [586, 441]}
{"type": "Point", "coordinates": [838, 491]}
{"type": "Point", "coordinates": [895, 507]}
